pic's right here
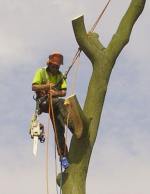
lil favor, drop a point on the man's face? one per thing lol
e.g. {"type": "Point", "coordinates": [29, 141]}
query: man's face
{"type": "Point", "coordinates": [53, 68]}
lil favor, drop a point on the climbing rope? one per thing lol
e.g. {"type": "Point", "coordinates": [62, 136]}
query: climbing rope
{"type": "Point", "coordinates": [77, 54]}
{"type": "Point", "coordinates": [74, 79]}
{"type": "Point", "coordinates": [99, 17]}
{"type": "Point", "coordinates": [47, 150]}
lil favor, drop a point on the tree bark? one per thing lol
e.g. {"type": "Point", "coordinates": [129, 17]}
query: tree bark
{"type": "Point", "coordinates": [102, 60]}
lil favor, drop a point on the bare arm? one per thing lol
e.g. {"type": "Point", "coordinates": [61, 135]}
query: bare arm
{"type": "Point", "coordinates": [46, 88]}
{"type": "Point", "coordinates": [41, 87]}
{"type": "Point", "coordinates": [57, 93]}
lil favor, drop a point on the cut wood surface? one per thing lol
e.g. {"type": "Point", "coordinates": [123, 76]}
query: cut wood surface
{"type": "Point", "coordinates": [74, 116]}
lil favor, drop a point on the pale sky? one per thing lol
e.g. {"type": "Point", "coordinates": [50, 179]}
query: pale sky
{"type": "Point", "coordinates": [30, 31]}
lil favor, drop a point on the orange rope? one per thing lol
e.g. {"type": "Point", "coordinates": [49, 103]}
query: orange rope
{"type": "Point", "coordinates": [54, 126]}
{"type": "Point", "coordinates": [47, 151]}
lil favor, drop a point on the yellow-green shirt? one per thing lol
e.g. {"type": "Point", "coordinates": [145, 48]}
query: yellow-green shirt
{"type": "Point", "coordinates": [42, 76]}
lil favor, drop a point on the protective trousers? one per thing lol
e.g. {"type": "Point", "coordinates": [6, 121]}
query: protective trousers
{"type": "Point", "coordinates": [58, 122]}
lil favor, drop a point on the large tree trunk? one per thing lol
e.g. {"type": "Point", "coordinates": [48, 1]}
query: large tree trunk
{"type": "Point", "coordinates": [103, 60]}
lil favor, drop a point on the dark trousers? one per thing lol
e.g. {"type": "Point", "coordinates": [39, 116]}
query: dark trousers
{"type": "Point", "coordinates": [57, 122]}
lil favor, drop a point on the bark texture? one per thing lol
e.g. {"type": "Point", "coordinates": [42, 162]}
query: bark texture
{"type": "Point", "coordinates": [102, 60]}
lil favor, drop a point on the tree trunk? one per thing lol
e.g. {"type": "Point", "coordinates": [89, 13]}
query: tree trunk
{"type": "Point", "coordinates": [103, 60]}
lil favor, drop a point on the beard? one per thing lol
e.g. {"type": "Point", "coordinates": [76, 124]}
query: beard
{"type": "Point", "coordinates": [53, 70]}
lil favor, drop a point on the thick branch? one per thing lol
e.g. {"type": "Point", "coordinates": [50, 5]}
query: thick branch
{"type": "Point", "coordinates": [121, 37]}
{"type": "Point", "coordinates": [88, 42]}
{"type": "Point", "coordinates": [95, 51]}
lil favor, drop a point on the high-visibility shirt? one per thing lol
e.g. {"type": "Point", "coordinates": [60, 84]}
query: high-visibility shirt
{"type": "Point", "coordinates": [42, 77]}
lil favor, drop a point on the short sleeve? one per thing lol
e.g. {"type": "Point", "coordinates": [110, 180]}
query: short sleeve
{"type": "Point", "coordinates": [37, 79]}
{"type": "Point", "coordinates": [64, 85]}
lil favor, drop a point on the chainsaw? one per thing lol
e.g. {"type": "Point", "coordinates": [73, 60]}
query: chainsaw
{"type": "Point", "coordinates": [37, 132]}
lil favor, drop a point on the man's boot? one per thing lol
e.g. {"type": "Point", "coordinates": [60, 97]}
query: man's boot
{"type": "Point", "coordinates": [64, 162]}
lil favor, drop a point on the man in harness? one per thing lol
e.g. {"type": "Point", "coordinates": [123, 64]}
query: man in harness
{"type": "Point", "coordinates": [43, 84]}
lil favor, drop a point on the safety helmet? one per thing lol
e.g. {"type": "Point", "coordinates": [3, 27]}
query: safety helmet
{"type": "Point", "coordinates": [56, 59]}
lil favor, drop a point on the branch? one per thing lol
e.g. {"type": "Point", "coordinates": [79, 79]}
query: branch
{"type": "Point", "coordinates": [88, 42]}
{"type": "Point", "coordinates": [121, 37]}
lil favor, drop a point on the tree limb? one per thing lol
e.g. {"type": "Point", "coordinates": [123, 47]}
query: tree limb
{"type": "Point", "coordinates": [121, 37]}
{"type": "Point", "coordinates": [88, 42]}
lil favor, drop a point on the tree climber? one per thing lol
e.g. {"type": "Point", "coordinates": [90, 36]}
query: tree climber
{"type": "Point", "coordinates": [43, 84]}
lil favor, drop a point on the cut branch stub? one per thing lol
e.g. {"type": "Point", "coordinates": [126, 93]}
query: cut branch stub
{"type": "Point", "coordinates": [76, 119]}
{"type": "Point", "coordinates": [88, 42]}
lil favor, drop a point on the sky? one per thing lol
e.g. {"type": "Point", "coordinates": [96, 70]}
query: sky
{"type": "Point", "coordinates": [30, 31]}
